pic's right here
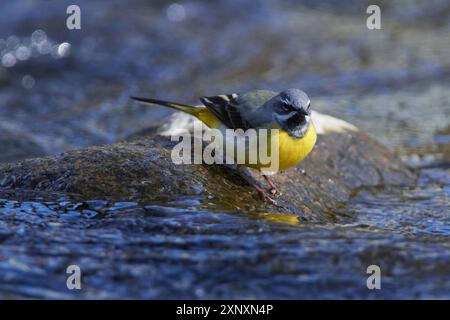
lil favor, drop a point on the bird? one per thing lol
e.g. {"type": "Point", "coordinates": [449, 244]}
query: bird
{"type": "Point", "coordinates": [289, 111]}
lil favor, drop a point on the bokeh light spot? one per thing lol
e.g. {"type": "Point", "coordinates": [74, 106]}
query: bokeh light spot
{"type": "Point", "coordinates": [176, 12]}
{"type": "Point", "coordinates": [28, 81]}
{"type": "Point", "coordinates": [23, 53]}
{"type": "Point", "coordinates": [8, 60]}
{"type": "Point", "coordinates": [63, 49]}
{"type": "Point", "coordinates": [38, 36]}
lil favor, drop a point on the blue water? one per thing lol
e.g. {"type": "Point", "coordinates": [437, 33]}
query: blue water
{"type": "Point", "coordinates": [180, 250]}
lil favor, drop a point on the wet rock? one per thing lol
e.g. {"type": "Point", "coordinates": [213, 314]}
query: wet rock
{"type": "Point", "coordinates": [343, 160]}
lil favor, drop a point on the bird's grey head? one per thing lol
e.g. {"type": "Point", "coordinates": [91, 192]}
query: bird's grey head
{"type": "Point", "coordinates": [292, 111]}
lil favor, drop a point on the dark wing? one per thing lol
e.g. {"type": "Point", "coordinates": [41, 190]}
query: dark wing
{"type": "Point", "coordinates": [226, 108]}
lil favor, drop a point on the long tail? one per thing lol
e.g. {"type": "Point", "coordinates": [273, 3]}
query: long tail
{"type": "Point", "coordinates": [201, 113]}
{"type": "Point", "coordinates": [177, 106]}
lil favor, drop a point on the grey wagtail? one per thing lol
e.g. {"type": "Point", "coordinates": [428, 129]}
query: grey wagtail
{"type": "Point", "coordinates": [288, 111]}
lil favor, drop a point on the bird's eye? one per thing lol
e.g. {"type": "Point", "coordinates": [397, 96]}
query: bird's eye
{"type": "Point", "coordinates": [286, 107]}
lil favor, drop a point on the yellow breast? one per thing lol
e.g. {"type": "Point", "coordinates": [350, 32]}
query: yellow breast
{"type": "Point", "coordinates": [293, 150]}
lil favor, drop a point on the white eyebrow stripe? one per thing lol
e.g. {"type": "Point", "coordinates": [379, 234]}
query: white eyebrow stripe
{"type": "Point", "coordinates": [284, 117]}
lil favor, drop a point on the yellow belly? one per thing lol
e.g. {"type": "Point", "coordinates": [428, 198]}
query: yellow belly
{"type": "Point", "coordinates": [292, 150]}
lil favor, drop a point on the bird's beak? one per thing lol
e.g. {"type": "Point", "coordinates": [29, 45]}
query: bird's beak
{"type": "Point", "coordinates": [303, 112]}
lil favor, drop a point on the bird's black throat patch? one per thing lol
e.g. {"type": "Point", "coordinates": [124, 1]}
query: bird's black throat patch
{"type": "Point", "coordinates": [296, 126]}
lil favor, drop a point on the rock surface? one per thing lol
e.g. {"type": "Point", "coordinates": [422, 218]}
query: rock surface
{"type": "Point", "coordinates": [343, 160]}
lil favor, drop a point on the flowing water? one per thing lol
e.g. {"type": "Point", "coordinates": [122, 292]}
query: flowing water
{"type": "Point", "coordinates": [392, 83]}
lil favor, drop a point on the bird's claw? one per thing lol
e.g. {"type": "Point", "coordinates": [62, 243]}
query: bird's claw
{"type": "Point", "coordinates": [264, 197]}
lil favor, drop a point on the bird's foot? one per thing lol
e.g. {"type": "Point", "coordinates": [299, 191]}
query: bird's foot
{"type": "Point", "coordinates": [272, 188]}
{"type": "Point", "coordinates": [265, 197]}
{"type": "Point", "coordinates": [262, 194]}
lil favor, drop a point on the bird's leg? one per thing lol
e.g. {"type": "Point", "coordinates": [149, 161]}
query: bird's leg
{"type": "Point", "coordinates": [247, 177]}
{"type": "Point", "coordinates": [272, 187]}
